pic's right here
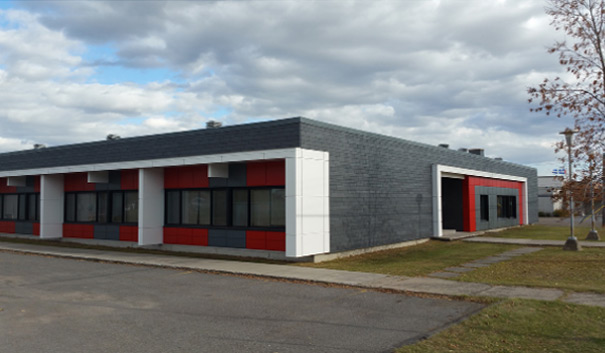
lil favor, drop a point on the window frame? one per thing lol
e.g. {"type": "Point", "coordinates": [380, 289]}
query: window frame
{"type": "Point", "coordinates": [229, 208]}
{"type": "Point", "coordinates": [24, 211]}
{"type": "Point", "coordinates": [109, 207]}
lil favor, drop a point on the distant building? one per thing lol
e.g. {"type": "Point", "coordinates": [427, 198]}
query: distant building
{"type": "Point", "coordinates": [547, 185]}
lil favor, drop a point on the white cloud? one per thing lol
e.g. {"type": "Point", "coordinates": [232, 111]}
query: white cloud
{"type": "Point", "coordinates": [430, 71]}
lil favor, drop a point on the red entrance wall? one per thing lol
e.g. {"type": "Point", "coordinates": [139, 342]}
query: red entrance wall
{"type": "Point", "coordinates": [468, 198]}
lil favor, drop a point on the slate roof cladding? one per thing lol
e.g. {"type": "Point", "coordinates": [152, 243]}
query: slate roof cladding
{"type": "Point", "coordinates": [238, 138]}
{"type": "Point", "coordinates": [275, 134]}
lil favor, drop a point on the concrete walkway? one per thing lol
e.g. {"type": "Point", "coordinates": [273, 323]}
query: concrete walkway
{"type": "Point", "coordinates": [533, 242]}
{"type": "Point", "coordinates": [426, 285]}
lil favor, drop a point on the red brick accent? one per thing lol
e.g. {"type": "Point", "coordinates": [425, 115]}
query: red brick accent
{"type": "Point", "coordinates": [186, 236]}
{"type": "Point", "coordinates": [129, 233]}
{"type": "Point", "coordinates": [195, 176]}
{"type": "Point", "coordinates": [264, 240]}
{"type": "Point", "coordinates": [84, 231]}
{"type": "Point", "coordinates": [129, 179]}
{"type": "Point", "coordinates": [266, 173]}
{"type": "Point", "coordinates": [7, 227]}
{"type": "Point", "coordinates": [36, 229]}
{"type": "Point", "coordinates": [78, 182]}
{"type": "Point", "coordinates": [4, 188]}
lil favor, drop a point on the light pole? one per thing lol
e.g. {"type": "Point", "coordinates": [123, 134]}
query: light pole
{"type": "Point", "coordinates": [572, 241]}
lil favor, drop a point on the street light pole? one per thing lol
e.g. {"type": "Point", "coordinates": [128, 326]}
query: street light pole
{"type": "Point", "coordinates": [572, 242]}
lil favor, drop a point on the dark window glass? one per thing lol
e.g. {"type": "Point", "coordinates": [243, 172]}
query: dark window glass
{"type": "Point", "coordinates": [196, 207]}
{"type": "Point", "coordinates": [219, 207]}
{"type": "Point", "coordinates": [260, 208]}
{"type": "Point", "coordinates": [116, 207]}
{"type": "Point", "coordinates": [86, 207]}
{"type": "Point", "coordinates": [70, 207]}
{"type": "Point", "coordinates": [38, 207]}
{"type": "Point", "coordinates": [11, 207]}
{"type": "Point", "coordinates": [507, 206]}
{"type": "Point", "coordinates": [484, 206]}
{"type": "Point", "coordinates": [278, 207]}
{"type": "Point", "coordinates": [131, 207]}
{"type": "Point", "coordinates": [240, 208]}
{"type": "Point", "coordinates": [173, 202]}
{"type": "Point", "coordinates": [103, 207]}
{"type": "Point", "coordinates": [22, 207]}
{"type": "Point", "coordinates": [32, 207]}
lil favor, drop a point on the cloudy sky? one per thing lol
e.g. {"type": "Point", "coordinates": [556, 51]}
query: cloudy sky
{"type": "Point", "coordinates": [433, 71]}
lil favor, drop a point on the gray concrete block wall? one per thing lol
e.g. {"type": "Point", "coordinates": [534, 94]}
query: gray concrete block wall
{"type": "Point", "coordinates": [381, 187]}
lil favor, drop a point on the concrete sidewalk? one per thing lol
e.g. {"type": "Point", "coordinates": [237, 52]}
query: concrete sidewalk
{"type": "Point", "coordinates": [289, 272]}
{"type": "Point", "coordinates": [533, 242]}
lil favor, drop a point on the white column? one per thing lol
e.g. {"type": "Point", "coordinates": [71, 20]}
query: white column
{"type": "Point", "coordinates": [151, 206]}
{"type": "Point", "coordinates": [437, 218]}
{"type": "Point", "coordinates": [307, 203]}
{"type": "Point", "coordinates": [51, 206]}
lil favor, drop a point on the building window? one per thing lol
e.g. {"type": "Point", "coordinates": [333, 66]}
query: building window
{"type": "Point", "coordinates": [233, 207]}
{"type": "Point", "coordinates": [507, 206]}
{"type": "Point", "coordinates": [267, 208]}
{"type": "Point", "coordinates": [240, 208]}
{"type": "Point", "coordinates": [86, 207]}
{"type": "Point", "coordinates": [21, 207]}
{"type": "Point", "coordinates": [102, 207]}
{"type": "Point", "coordinates": [484, 206]}
{"type": "Point", "coordinates": [10, 208]}
{"type": "Point", "coordinates": [195, 207]}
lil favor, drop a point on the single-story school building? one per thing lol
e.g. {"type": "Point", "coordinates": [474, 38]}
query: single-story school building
{"type": "Point", "coordinates": [289, 188]}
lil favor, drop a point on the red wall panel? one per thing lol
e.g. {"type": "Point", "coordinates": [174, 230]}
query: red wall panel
{"type": "Point", "coordinates": [266, 173]}
{"type": "Point", "coordinates": [129, 233]}
{"type": "Point", "coordinates": [186, 236]}
{"type": "Point", "coordinates": [7, 227]}
{"type": "Point", "coordinates": [195, 176]}
{"type": "Point", "coordinates": [37, 183]}
{"type": "Point", "coordinates": [276, 241]}
{"type": "Point", "coordinates": [264, 240]}
{"type": "Point", "coordinates": [256, 239]}
{"type": "Point", "coordinates": [78, 182]}
{"type": "Point", "coordinates": [84, 231]}
{"type": "Point", "coordinates": [129, 179]}
{"type": "Point", "coordinates": [36, 229]}
{"type": "Point", "coordinates": [6, 189]}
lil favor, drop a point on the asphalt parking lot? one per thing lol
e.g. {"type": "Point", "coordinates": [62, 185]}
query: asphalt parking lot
{"type": "Point", "coordinates": [63, 305]}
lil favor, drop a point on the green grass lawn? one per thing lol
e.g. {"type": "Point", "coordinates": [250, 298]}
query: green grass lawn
{"type": "Point", "coordinates": [580, 271]}
{"type": "Point", "coordinates": [416, 260]}
{"type": "Point", "coordinates": [545, 232]}
{"type": "Point", "coordinates": [522, 326]}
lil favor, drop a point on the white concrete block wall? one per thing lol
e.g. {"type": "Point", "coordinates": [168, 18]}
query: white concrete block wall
{"type": "Point", "coordinates": [51, 206]}
{"type": "Point", "coordinates": [307, 203]}
{"type": "Point", "coordinates": [151, 206]}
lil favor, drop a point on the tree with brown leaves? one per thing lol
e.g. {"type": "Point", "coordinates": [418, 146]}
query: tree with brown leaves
{"type": "Point", "coordinates": [580, 93]}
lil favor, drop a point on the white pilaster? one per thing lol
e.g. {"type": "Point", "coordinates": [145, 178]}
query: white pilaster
{"type": "Point", "coordinates": [51, 206]}
{"type": "Point", "coordinates": [307, 203]}
{"type": "Point", "coordinates": [151, 206]}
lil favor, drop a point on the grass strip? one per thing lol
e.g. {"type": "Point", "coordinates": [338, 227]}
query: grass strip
{"type": "Point", "coordinates": [581, 271]}
{"type": "Point", "coordinates": [517, 325]}
{"type": "Point", "coordinates": [543, 232]}
{"type": "Point", "coordinates": [418, 260]}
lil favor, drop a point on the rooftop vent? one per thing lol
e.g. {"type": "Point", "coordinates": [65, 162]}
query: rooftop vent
{"type": "Point", "coordinates": [112, 137]}
{"type": "Point", "coordinates": [465, 150]}
{"type": "Point", "coordinates": [444, 145]}
{"type": "Point", "coordinates": [498, 158]}
{"type": "Point", "coordinates": [212, 124]}
{"type": "Point", "coordinates": [477, 151]}
{"type": "Point", "coordinates": [39, 146]}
